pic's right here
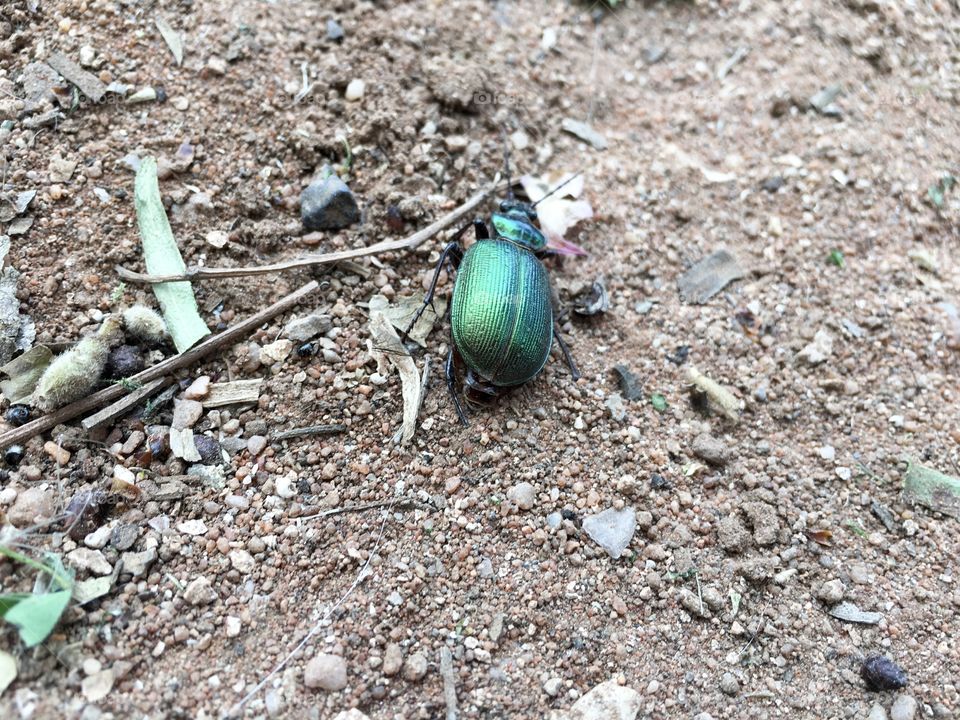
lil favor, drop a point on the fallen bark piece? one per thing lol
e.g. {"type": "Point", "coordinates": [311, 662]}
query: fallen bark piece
{"type": "Point", "coordinates": [88, 83]}
{"type": "Point", "coordinates": [233, 393]}
{"type": "Point", "coordinates": [709, 276]}
{"type": "Point", "coordinates": [124, 405]}
{"type": "Point", "coordinates": [932, 489]}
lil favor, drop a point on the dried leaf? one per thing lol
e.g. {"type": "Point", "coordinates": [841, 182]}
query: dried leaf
{"type": "Point", "coordinates": [682, 160]}
{"type": "Point", "coordinates": [585, 132]}
{"type": "Point", "coordinates": [709, 276]}
{"type": "Point", "coordinates": [385, 345]}
{"type": "Point", "coordinates": [719, 396]}
{"type": "Point", "coordinates": [821, 537]}
{"type": "Point", "coordinates": [172, 38]}
{"type": "Point", "coordinates": [932, 489]}
{"type": "Point", "coordinates": [848, 612]}
{"type": "Point", "coordinates": [401, 312]}
{"type": "Point", "coordinates": [560, 211]}
{"type": "Point", "coordinates": [8, 670]}
{"type": "Point", "coordinates": [162, 257]}
{"type": "Point", "coordinates": [24, 372]}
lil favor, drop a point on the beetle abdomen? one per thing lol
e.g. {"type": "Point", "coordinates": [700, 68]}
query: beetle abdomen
{"type": "Point", "coordinates": [501, 317]}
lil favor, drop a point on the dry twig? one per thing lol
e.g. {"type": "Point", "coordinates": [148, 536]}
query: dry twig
{"type": "Point", "coordinates": [408, 243]}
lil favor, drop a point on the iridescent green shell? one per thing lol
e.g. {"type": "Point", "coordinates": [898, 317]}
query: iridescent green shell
{"type": "Point", "coordinates": [519, 231]}
{"type": "Point", "coordinates": [501, 317]}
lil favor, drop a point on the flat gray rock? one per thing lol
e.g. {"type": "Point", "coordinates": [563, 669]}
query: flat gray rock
{"type": "Point", "coordinates": [612, 529]}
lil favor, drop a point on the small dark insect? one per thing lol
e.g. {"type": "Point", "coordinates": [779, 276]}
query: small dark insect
{"type": "Point", "coordinates": [17, 415]}
{"type": "Point", "coordinates": [84, 513]}
{"type": "Point", "coordinates": [13, 455]}
{"type": "Point", "coordinates": [680, 355]}
{"type": "Point", "coordinates": [568, 514]}
{"type": "Point", "coordinates": [659, 482]}
{"type": "Point", "coordinates": [882, 673]}
{"type": "Point", "coordinates": [307, 349]}
{"type": "Point", "coordinates": [394, 219]}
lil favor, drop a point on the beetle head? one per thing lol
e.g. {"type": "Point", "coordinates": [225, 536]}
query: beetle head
{"type": "Point", "coordinates": [518, 210]}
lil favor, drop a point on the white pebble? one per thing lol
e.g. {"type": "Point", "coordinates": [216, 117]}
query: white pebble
{"type": "Point", "coordinates": [355, 89]}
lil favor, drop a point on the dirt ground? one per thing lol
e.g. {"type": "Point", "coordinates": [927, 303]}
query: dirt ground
{"type": "Point", "coordinates": [718, 608]}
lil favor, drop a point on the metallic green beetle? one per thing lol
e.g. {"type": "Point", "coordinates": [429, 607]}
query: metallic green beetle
{"type": "Point", "coordinates": [501, 315]}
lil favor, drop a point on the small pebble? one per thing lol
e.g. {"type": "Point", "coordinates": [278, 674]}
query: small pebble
{"type": "Point", "coordinates": [415, 668]}
{"type": "Point", "coordinates": [326, 672]}
{"type": "Point", "coordinates": [523, 495]}
{"type": "Point", "coordinates": [355, 90]}
{"type": "Point", "coordinates": [903, 708]}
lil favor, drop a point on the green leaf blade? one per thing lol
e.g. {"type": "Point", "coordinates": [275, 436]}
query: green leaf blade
{"type": "Point", "coordinates": [37, 615]}
{"type": "Point", "coordinates": [162, 257]}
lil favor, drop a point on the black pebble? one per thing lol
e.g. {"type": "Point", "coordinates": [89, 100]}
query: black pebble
{"type": "Point", "coordinates": [881, 673]}
{"type": "Point", "coordinates": [209, 449]}
{"type": "Point", "coordinates": [659, 482]}
{"type": "Point", "coordinates": [772, 184]}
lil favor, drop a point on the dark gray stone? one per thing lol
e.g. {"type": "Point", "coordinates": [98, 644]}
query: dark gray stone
{"type": "Point", "coordinates": [328, 204]}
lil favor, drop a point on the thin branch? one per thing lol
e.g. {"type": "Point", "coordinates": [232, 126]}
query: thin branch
{"type": "Point", "coordinates": [408, 243]}
{"type": "Point", "coordinates": [308, 431]}
{"type": "Point", "coordinates": [109, 394]}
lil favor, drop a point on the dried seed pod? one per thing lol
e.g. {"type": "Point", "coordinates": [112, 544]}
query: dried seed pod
{"type": "Point", "coordinates": [73, 374]}
{"type": "Point", "coordinates": [881, 673]}
{"type": "Point", "coordinates": [145, 325]}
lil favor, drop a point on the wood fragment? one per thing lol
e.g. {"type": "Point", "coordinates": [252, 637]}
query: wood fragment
{"type": "Point", "coordinates": [408, 243]}
{"type": "Point", "coordinates": [361, 507]}
{"type": "Point", "coordinates": [88, 83]}
{"type": "Point", "coordinates": [236, 392]}
{"type": "Point", "coordinates": [449, 682]}
{"type": "Point", "coordinates": [124, 404]}
{"type": "Point", "coordinates": [719, 396]}
{"type": "Point", "coordinates": [107, 395]}
{"type": "Point", "coordinates": [308, 432]}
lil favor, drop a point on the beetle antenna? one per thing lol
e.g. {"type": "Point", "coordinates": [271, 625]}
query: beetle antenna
{"type": "Point", "coordinates": [568, 180]}
{"type": "Point", "coordinates": [506, 161]}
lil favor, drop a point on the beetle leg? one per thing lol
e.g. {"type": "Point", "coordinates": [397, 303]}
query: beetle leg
{"type": "Point", "coordinates": [452, 387]}
{"type": "Point", "coordinates": [453, 251]}
{"type": "Point", "coordinates": [566, 353]}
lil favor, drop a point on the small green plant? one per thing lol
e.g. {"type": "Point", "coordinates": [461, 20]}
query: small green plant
{"type": "Point", "coordinates": [855, 528]}
{"type": "Point", "coordinates": [836, 258]}
{"type": "Point", "coordinates": [116, 295]}
{"type": "Point", "coordinates": [128, 384]}
{"type": "Point", "coordinates": [937, 193]}
{"type": "Point", "coordinates": [36, 614]}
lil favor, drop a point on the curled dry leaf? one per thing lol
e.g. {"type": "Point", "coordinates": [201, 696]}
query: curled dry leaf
{"type": "Point", "coordinates": [385, 345]}
{"type": "Point", "coordinates": [560, 211]}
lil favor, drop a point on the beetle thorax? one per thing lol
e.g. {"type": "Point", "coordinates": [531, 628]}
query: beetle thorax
{"type": "Point", "coordinates": [516, 227]}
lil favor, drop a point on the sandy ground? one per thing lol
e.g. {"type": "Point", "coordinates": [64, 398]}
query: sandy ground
{"type": "Point", "coordinates": [718, 606]}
